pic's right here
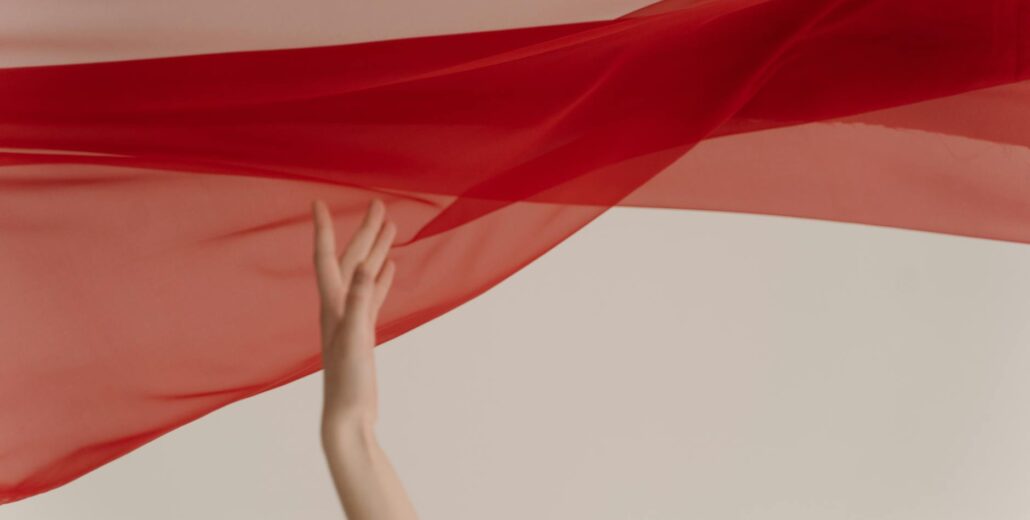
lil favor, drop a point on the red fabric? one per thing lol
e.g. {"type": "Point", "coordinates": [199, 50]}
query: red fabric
{"type": "Point", "coordinates": [155, 250]}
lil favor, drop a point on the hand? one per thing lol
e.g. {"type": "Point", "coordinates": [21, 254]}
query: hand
{"type": "Point", "coordinates": [352, 288]}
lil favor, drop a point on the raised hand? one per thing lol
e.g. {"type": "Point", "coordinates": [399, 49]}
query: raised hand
{"type": "Point", "coordinates": [352, 287]}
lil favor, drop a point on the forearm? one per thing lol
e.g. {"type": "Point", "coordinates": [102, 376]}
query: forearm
{"type": "Point", "coordinates": [366, 482]}
{"type": "Point", "coordinates": [352, 288]}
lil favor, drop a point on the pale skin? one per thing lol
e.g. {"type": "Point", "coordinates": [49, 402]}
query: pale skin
{"type": "Point", "coordinates": [352, 286]}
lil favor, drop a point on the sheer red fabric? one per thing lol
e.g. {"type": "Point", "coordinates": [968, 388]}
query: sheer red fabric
{"type": "Point", "coordinates": [154, 232]}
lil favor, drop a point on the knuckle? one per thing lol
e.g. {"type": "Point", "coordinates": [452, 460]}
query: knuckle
{"type": "Point", "coordinates": [357, 292]}
{"type": "Point", "coordinates": [363, 272]}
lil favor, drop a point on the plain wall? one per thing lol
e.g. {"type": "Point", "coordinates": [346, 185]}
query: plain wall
{"type": "Point", "coordinates": [660, 364]}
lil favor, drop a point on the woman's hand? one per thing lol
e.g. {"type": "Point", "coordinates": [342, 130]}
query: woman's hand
{"type": "Point", "coordinates": [352, 287]}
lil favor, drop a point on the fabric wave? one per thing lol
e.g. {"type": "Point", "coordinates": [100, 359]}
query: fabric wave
{"type": "Point", "coordinates": [154, 234]}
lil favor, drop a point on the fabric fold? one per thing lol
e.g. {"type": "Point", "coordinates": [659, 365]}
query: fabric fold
{"type": "Point", "coordinates": [153, 212]}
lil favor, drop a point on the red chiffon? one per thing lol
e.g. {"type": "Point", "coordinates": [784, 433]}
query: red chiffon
{"type": "Point", "coordinates": [154, 232]}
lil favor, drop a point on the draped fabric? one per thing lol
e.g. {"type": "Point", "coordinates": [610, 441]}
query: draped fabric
{"type": "Point", "coordinates": [154, 225]}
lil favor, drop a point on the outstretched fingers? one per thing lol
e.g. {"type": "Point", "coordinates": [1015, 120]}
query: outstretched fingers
{"type": "Point", "coordinates": [353, 286]}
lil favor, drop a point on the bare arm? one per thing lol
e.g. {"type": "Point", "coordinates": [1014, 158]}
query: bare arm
{"type": "Point", "coordinates": [352, 288]}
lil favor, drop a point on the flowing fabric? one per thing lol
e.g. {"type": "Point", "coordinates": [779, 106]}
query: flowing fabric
{"type": "Point", "coordinates": [154, 212]}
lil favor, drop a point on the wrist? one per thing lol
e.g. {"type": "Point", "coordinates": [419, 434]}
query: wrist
{"type": "Point", "coordinates": [339, 427]}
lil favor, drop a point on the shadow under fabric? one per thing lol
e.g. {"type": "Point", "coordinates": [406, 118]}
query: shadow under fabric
{"type": "Point", "coordinates": [154, 213]}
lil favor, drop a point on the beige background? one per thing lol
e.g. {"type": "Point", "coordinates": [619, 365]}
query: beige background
{"type": "Point", "coordinates": [36, 32]}
{"type": "Point", "coordinates": [659, 365]}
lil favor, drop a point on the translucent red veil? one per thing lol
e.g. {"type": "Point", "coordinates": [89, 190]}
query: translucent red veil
{"type": "Point", "coordinates": [154, 232]}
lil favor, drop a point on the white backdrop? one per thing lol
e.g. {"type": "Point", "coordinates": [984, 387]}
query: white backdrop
{"type": "Point", "coordinates": [660, 364]}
